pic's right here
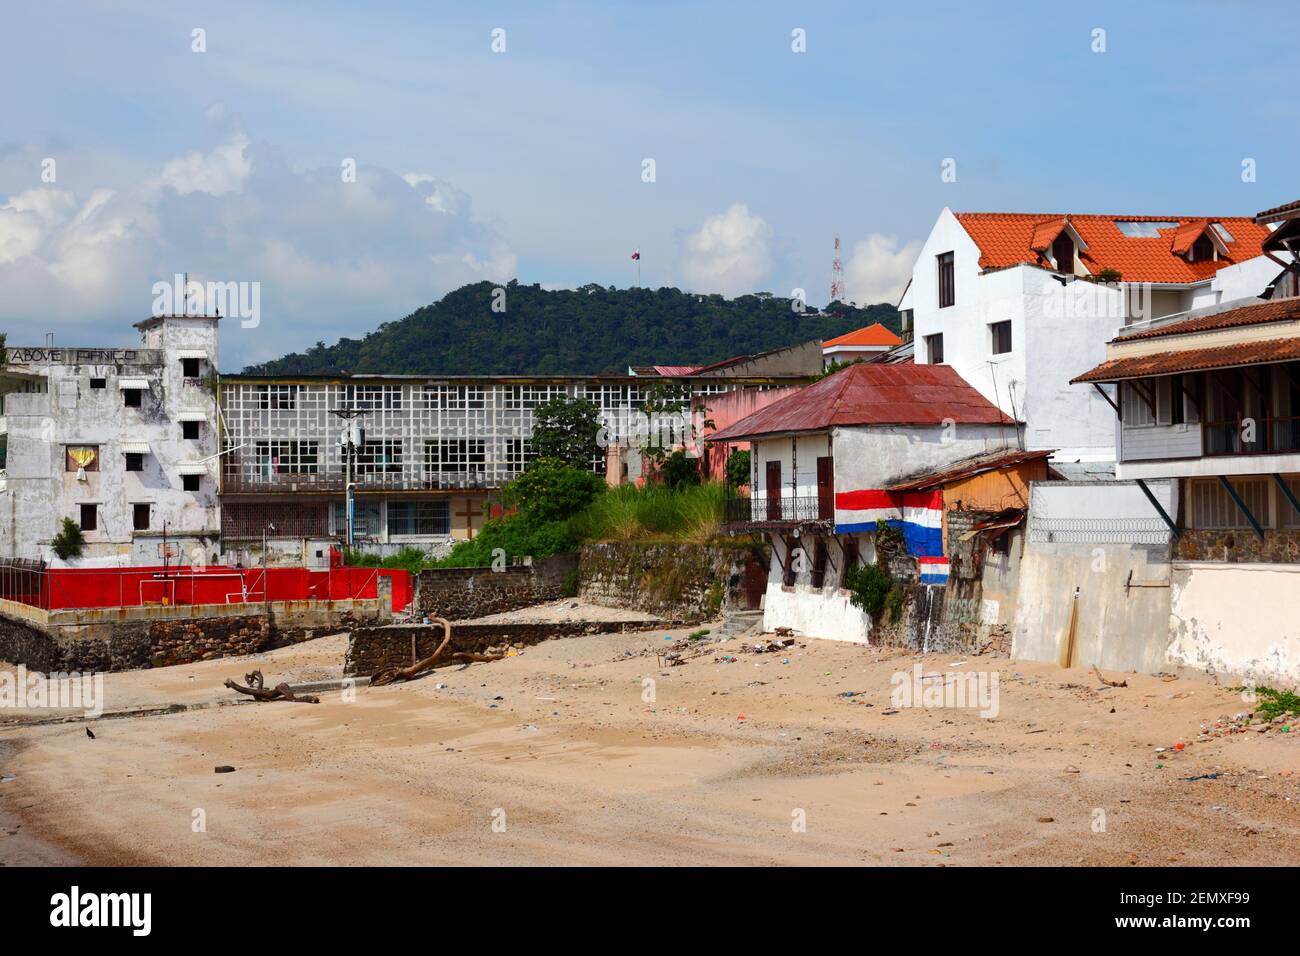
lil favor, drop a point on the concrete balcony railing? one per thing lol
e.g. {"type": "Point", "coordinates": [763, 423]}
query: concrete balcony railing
{"type": "Point", "coordinates": [335, 482]}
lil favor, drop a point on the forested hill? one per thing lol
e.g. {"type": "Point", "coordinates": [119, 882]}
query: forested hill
{"type": "Point", "coordinates": [575, 331]}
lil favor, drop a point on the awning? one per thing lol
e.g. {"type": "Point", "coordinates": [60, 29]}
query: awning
{"type": "Point", "coordinates": [1004, 519]}
{"type": "Point", "coordinates": [127, 384]}
{"type": "Point", "coordinates": [192, 416]}
{"type": "Point", "coordinates": [191, 354]}
{"type": "Point", "coordinates": [135, 448]}
{"type": "Point", "coordinates": [192, 468]}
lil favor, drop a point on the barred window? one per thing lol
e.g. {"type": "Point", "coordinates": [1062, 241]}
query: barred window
{"type": "Point", "coordinates": [373, 397]}
{"type": "Point", "coordinates": [288, 457]}
{"type": "Point", "coordinates": [519, 452]}
{"type": "Point", "coordinates": [1287, 516]}
{"type": "Point", "coordinates": [1212, 507]}
{"type": "Point", "coordinates": [454, 397]}
{"type": "Point", "coordinates": [531, 396]}
{"type": "Point", "coordinates": [419, 517]}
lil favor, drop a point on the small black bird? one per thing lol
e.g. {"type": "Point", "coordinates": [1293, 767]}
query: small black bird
{"type": "Point", "coordinates": [89, 734]}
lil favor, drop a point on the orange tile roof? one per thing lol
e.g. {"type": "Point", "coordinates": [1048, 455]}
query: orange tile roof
{"type": "Point", "coordinates": [1187, 234]}
{"type": "Point", "coordinates": [1284, 211]}
{"type": "Point", "coordinates": [1275, 310]}
{"type": "Point", "coordinates": [1193, 360]}
{"type": "Point", "coordinates": [1008, 239]}
{"type": "Point", "coordinates": [875, 334]}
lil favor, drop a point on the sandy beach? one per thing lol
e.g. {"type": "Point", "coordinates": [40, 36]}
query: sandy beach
{"type": "Point", "coordinates": [557, 756]}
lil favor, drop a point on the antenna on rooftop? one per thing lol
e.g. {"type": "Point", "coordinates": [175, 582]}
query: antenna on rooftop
{"type": "Point", "coordinates": [837, 275]}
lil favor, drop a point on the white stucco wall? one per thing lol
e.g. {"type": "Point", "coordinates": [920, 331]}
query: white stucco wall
{"type": "Point", "coordinates": [825, 613]}
{"type": "Point", "coordinates": [871, 457]}
{"type": "Point", "coordinates": [1237, 620]}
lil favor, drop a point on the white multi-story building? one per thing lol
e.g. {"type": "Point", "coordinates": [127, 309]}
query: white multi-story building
{"type": "Point", "coordinates": [121, 440]}
{"type": "Point", "coordinates": [1021, 303]}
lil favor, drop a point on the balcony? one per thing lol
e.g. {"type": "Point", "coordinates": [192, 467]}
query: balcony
{"type": "Point", "coordinates": [335, 483]}
{"type": "Point", "coordinates": [784, 512]}
{"type": "Point", "coordinates": [1271, 436]}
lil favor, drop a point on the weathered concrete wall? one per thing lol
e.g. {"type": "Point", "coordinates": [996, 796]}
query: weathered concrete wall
{"type": "Point", "coordinates": [374, 648]}
{"type": "Point", "coordinates": [463, 593]}
{"type": "Point", "coordinates": [1237, 620]}
{"type": "Point", "coordinates": [678, 582]}
{"type": "Point", "coordinates": [1114, 628]}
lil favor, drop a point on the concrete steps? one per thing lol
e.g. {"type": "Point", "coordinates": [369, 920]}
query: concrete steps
{"type": "Point", "coordinates": [738, 624]}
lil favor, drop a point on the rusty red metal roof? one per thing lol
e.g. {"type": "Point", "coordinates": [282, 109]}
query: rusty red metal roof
{"type": "Point", "coordinates": [1274, 310]}
{"type": "Point", "coordinates": [1193, 360]}
{"type": "Point", "coordinates": [872, 394]}
{"type": "Point", "coordinates": [968, 469]}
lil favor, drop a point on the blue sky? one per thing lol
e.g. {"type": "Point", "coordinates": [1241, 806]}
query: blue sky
{"type": "Point", "coordinates": [528, 163]}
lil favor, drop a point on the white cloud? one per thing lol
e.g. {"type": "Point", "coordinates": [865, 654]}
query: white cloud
{"type": "Point", "coordinates": [878, 268]}
{"type": "Point", "coordinates": [332, 257]}
{"type": "Point", "coordinates": [729, 253]}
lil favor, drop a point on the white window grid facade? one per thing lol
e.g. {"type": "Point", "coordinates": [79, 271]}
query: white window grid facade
{"type": "Point", "coordinates": [480, 431]}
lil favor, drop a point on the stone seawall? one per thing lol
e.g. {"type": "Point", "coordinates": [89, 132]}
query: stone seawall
{"type": "Point", "coordinates": [459, 594]}
{"type": "Point", "coordinates": [131, 643]}
{"type": "Point", "coordinates": [681, 582]}
{"type": "Point", "coordinates": [371, 649]}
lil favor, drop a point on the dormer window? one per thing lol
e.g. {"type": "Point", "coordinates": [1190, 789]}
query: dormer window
{"type": "Point", "coordinates": [1063, 253]}
{"type": "Point", "coordinates": [1202, 249]}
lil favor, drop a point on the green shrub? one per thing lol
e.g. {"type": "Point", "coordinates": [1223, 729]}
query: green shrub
{"type": "Point", "coordinates": [869, 585]}
{"type": "Point", "coordinates": [69, 542]}
{"type": "Point", "coordinates": [550, 490]}
{"type": "Point", "coordinates": [738, 469]}
{"type": "Point", "coordinates": [679, 471]}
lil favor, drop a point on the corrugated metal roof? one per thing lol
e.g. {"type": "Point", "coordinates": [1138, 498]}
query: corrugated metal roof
{"type": "Point", "coordinates": [969, 468]}
{"type": "Point", "coordinates": [872, 394]}
{"type": "Point", "coordinates": [1275, 310]}
{"type": "Point", "coordinates": [1194, 360]}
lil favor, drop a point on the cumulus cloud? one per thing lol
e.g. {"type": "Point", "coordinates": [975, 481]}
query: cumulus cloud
{"type": "Point", "coordinates": [878, 268]}
{"type": "Point", "coordinates": [333, 257]}
{"type": "Point", "coordinates": [730, 253]}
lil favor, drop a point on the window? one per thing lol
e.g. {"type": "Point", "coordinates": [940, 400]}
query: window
{"type": "Point", "coordinates": [1288, 517]}
{"type": "Point", "coordinates": [365, 518]}
{"type": "Point", "coordinates": [89, 517]}
{"type": "Point", "coordinates": [1176, 410]}
{"type": "Point", "coordinates": [457, 455]}
{"type": "Point", "coordinates": [134, 461]}
{"type": "Point", "coordinates": [1063, 253]}
{"type": "Point", "coordinates": [288, 457]}
{"type": "Point", "coordinates": [819, 563]}
{"type": "Point", "coordinates": [519, 453]}
{"type": "Point", "coordinates": [379, 457]}
{"type": "Point", "coordinates": [98, 383]}
{"type": "Point", "coordinates": [419, 517]}
{"type": "Point", "coordinates": [947, 282]}
{"type": "Point", "coordinates": [1139, 229]}
{"type": "Point", "coordinates": [1213, 507]}
{"type": "Point", "coordinates": [1135, 404]}
{"type": "Point", "coordinates": [934, 348]}
{"type": "Point", "coordinates": [1202, 249]}
{"type": "Point", "coordinates": [1001, 334]}
{"type": "Point", "coordinates": [190, 482]}
{"type": "Point", "coordinates": [373, 397]}
{"type": "Point", "coordinates": [282, 397]}
{"type": "Point", "coordinates": [133, 397]}
{"type": "Point", "coordinates": [190, 430]}
{"type": "Point", "coordinates": [140, 517]}
{"type": "Point", "coordinates": [190, 367]}
{"type": "Point", "coordinates": [79, 457]}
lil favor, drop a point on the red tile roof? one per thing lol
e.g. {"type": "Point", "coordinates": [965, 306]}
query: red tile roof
{"type": "Point", "coordinates": [875, 334]}
{"type": "Point", "coordinates": [1284, 211]}
{"type": "Point", "coordinates": [1193, 360]}
{"type": "Point", "coordinates": [1008, 239]}
{"type": "Point", "coordinates": [1275, 310]}
{"type": "Point", "coordinates": [1187, 234]}
{"type": "Point", "coordinates": [872, 394]}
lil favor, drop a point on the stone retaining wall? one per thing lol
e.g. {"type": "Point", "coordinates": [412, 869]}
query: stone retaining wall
{"type": "Point", "coordinates": [683, 582]}
{"type": "Point", "coordinates": [371, 649]}
{"type": "Point", "coordinates": [464, 593]}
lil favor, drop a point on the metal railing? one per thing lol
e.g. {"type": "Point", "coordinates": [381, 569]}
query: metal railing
{"type": "Point", "coordinates": [787, 509]}
{"type": "Point", "coordinates": [308, 482]}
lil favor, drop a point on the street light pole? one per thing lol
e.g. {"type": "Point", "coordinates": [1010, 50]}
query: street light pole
{"type": "Point", "coordinates": [349, 448]}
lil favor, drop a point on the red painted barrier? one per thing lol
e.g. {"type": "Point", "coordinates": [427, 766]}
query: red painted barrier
{"type": "Point", "coordinates": [58, 589]}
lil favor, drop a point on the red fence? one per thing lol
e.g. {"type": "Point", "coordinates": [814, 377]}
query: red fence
{"type": "Point", "coordinates": [56, 589]}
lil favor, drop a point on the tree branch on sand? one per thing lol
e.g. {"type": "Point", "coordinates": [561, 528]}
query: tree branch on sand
{"type": "Point", "coordinates": [395, 675]}
{"type": "Point", "coordinates": [279, 692]}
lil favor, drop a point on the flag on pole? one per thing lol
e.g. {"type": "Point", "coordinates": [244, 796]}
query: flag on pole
{"type": "Point", "coordinates": [636, 255]}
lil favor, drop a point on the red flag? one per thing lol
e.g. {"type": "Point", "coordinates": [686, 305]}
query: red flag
{"type": "Point", "coordinates": [636, 254]}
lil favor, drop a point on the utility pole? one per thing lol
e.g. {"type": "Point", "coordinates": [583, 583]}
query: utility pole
{"type": "Point", "coordinates": [348, 446]}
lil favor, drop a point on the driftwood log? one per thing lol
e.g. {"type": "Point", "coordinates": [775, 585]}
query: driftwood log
{"type": "Point", "coordinates": [279, 692]}
{"type": "Point", "coordinates": [1108, 683]}
{"type": "Point", "coordinates": [395, 675]}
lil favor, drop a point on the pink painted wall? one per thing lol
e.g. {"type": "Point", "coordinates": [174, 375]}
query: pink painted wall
{"type": "Point", "coordinates": [726, 409]}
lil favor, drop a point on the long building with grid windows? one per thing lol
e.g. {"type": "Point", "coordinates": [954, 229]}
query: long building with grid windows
{"type": "Point", "coordinates": [431, 450]}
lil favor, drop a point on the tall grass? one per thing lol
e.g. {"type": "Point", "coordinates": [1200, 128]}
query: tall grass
{"type": "Point", "coordinates": [692, 513]}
